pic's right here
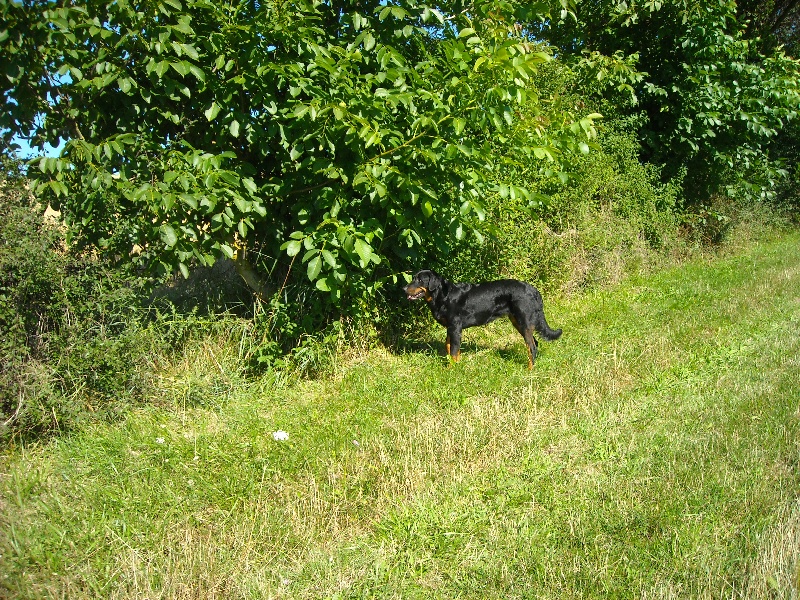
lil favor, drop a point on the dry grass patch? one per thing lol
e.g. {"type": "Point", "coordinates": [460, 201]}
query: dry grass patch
{"type": "Point", "coordinates": [775, 571]}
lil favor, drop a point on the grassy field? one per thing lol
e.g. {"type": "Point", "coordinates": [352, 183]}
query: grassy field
{"type": "Point", "coordinates": [651, 453]}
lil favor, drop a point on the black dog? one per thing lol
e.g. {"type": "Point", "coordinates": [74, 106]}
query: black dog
{"type": "Point", "coordinates": [461, 305]}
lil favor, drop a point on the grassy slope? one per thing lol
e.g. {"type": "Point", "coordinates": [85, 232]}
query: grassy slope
{"type": "Point", "coordinates": [651, 453]}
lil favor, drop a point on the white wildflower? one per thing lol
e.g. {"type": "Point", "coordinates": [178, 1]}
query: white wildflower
{"type": "Point", "coordinates": [159, 440]}
{"type": "Point", "coordinates": [280, 436]}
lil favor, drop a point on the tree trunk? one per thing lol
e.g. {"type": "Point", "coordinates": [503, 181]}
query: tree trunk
{"type": "Point", "coordinates": [260, 288]}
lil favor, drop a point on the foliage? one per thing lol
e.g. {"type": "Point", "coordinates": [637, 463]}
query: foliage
{"type": "Point", "coordinates": [284, 336]}
{"type": "Point", "coordinates": [30, 272]}
{"type": "Point", "coordinates": [70, 326]}
{"type": "Point", "coordinates": [788, 146]}
{"type": "Point", "coordinates": [599, 221]}
{"type": "Point", "coordinates": [713, 102]}
{"type": "Point", "coordinates": [337, 140]}
{"type": "Point", "coordinates": [336, 145]}
{"type": "Point", "coordinates": [595, 212]}
{"type": "Point", "coordinates": [772, 23]}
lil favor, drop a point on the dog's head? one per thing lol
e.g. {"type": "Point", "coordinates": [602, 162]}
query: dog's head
{"type": "Point", "coordinates": [423, 285]}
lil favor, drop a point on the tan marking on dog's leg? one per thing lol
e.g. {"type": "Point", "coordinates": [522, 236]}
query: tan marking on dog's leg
{"type": "Point", "coordinates": [530, 342]}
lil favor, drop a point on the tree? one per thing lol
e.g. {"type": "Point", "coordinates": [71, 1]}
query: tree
{"type": "Point", "coordinates": [713, 101]}
{"type": "Point", "coordinates": [774, 22]}
{"type": "Point", "coordinates": [336, 136]}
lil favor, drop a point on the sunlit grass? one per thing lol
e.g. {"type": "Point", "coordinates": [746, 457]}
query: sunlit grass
{"type": "Point", "coordinates": [651, 453]}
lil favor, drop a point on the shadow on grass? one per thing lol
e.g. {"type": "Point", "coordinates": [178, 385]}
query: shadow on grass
{"type": "Point", "coordinates": [436, 348]}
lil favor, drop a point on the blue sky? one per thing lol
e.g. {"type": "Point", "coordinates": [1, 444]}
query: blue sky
{"type": "Point", "coordinates": [27, 152]}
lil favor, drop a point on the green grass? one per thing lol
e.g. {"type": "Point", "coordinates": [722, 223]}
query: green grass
{"type": "Point", "coordinates": [651, 453]}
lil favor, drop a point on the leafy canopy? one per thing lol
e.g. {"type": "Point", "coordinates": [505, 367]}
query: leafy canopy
{"type": "Point", "coordinates": [714, 102]}
{"type": "Point", "coordinates": [340, 137]}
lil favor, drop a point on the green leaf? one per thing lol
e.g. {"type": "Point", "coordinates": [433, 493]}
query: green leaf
{"type": "Point", "coordinates": [250, 185]}
{"type": "Point", "coordinates": [242, 205]}
{"type": "Point", "coordinates": [189, 200]}
{"type": "Point", "coordinates": [183, 25]}
{"type": "Point", "coordinates": [168, 235]}
{"type": "Point", "coordinates": [314, 268]}
{"type": "Point", "coordinates": [58, 187]}
{"type": "Point", "coordinates": [161, 68]}
{"type": "Point", "coordinates": [364, 250]}
{"type": "Point", "coordinates": [259, 208]}
{"type": "Point", "coordinates": [329, 258]}
{"type": "Point", "coordinates": [292, 247]}
{"type": "Point", "coordinates": [212, 111]}
{"type": "Point", "coordinates": [181, 66]}
{"type": "Point", "coordinates": [465, 149]}
{"type": "Point", "coordinates": [234, 128]}
{"type": "Point", "coordinates": [190, 51]}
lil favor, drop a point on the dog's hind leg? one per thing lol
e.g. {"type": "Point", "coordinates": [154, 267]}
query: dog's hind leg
{"type": "Point", "coordinates": [530, 341]}
{"type": "Point", "coordinates": [533, 346]}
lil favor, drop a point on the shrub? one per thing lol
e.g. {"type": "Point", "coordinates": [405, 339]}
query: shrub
{"type": "Point", "coordinates": [71, 321]}
{"type": "Point", "coordinates": [595, 223]}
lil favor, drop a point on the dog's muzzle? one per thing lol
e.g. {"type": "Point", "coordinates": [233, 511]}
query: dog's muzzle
{"type": "Point", "coordinates": [415, 294]}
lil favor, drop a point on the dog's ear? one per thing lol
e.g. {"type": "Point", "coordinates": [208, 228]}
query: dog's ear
{"type": "Point", "coordinates": [431, 280]}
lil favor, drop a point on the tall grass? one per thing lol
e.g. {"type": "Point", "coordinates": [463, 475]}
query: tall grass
{"type": "Point", "coordinates": [651, 453]}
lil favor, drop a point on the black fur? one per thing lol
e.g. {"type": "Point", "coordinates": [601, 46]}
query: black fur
{"type": "Point", "coordinates": [461, 305]}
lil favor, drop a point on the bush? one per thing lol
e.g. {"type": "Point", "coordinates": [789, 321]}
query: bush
{"type": "Point", "coordinates": [786, 150]}
{"type": "Point", "coordinates": [70, 347]}
{"type": "Point", "coordinates": [594, 224]}
{"type": "Point", "coordinates": [29, 272]}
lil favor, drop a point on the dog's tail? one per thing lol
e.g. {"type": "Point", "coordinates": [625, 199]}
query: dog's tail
{"type": "Point", "coordinates": [544, 329]}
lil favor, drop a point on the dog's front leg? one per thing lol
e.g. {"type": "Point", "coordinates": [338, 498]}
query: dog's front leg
{"type": "Point", "coordinates": [453, 344]}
